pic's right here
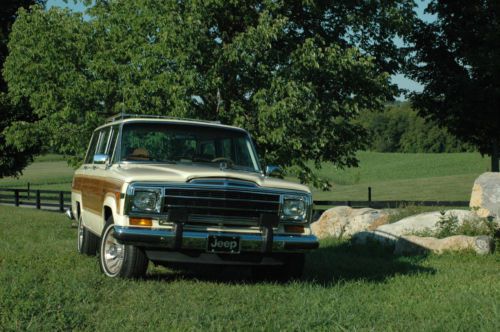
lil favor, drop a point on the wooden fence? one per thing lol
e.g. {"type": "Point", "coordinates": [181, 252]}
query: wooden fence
{"type": "Point", "coordinates": [62, 199]}
{"type": "Point", "coordinates": [40, 199]}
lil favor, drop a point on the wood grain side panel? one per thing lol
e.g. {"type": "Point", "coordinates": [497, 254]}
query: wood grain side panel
{"type": "Point", "coordinates": [95, 189]}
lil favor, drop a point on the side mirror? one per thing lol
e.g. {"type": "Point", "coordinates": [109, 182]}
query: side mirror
{"type": "Point", "coordinates": [101, 159]}
{"type": "Point", "coordinates": [272, 170]}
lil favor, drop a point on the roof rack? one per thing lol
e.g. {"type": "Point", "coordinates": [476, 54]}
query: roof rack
{"type": "Point", "coordinates": [123, 116]}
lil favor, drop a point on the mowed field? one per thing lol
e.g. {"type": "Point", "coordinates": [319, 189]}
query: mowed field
{"type": "Point", "coordinates": [392, 176]}
{"type": "Point", "coordinates": [406, 176]}
{"type": "Point", "coordinates": [45, 285]}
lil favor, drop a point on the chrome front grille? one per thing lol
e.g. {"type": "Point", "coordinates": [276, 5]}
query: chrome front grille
{"type": "Point", "coordinates": [221, 206]}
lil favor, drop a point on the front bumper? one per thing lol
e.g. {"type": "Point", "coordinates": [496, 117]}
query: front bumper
{"type": "Point", "coordinates": [189, 240]}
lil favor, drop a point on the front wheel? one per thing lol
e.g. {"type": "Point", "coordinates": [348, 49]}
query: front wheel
{"type": "Point", "coordinates": [120, 260]}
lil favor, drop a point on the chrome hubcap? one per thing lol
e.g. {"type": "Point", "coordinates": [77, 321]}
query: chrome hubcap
{"type": "Point", "coordinates": [113, 253]}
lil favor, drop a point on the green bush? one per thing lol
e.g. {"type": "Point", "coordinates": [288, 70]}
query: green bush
{"type": "Point", "coordinates": [450, 225]}
{"type": "Point", "coordinates": [447, 225]}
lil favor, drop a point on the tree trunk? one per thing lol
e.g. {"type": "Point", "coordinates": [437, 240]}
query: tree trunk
{"type": "Point", "coordinates": [494, 156]}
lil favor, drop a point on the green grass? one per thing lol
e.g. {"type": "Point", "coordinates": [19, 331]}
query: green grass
{"type": "Point", "coordinates": [392, 176]}
{"type": "Point", "coordinates": [410, 176]}
{"type": "Point", "coordinates": [46, 285]}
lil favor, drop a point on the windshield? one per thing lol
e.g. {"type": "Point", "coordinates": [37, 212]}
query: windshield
{"type": "Point", "coordinates": [187, 144]}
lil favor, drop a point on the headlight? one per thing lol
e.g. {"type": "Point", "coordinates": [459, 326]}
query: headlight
{"type": "Point", "coordinates": [146, 201]}
{"type": "Point", "coordinates": [294, 208]}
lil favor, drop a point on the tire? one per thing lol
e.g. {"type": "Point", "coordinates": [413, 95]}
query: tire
{"type": "Point", "coordinates": [87, 242]}
{"type": "Point", "coordinates": [291, 269]}
{"type": "Point", "coordinates": [120, 260]}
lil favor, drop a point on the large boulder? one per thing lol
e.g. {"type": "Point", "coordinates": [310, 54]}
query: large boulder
{"type": "Point", "coordinates": [344, 221]}
{"type": "Point", "coordinates": [415, 245]}
{"type": "Point", "coordinates": [376, 236]}
{"type": "Point", "coordinates": [425, 222]}
{"type": "Point", "coordinates": [485, 197]}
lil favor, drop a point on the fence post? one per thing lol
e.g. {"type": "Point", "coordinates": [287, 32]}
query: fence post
{"type": "Point", "coordinates": [61, 201]}
{"type": "Point", "coordinates": [369, 196]}
{"type": "Point", "coordinates": [38, 203]}
{"type": "Point", "coordinates": [16, 197]}
{"type": "Point", "coordinates": [28, 190]}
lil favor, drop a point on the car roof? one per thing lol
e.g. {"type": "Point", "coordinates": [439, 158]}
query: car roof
{"type": "Point", "coordinates": [169, 121]}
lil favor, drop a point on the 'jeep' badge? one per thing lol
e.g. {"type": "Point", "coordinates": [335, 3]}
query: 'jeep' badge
{"type": "Point", "coordinates": [223, 244]}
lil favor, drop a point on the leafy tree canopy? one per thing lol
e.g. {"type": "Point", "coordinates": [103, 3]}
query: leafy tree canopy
{"type": "Point", "coordinates": [457, 59]}
{"type": "Point", "coordinates": [294, 73]}
{"type": "Point", "coordinates": [12, 159]}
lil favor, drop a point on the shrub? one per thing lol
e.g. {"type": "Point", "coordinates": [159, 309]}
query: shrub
{"type": "Point", "coordinates": [450, 225]}
{"type": "Point", "coordinates": [447, 225]}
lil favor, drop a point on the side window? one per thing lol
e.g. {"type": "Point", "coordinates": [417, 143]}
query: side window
{"type": "Point", "coordinates": [112, 142]}
{"type": "Point", "coordinates": [102, 143]}
{"type": "Point", "coordinates": [91, 151]}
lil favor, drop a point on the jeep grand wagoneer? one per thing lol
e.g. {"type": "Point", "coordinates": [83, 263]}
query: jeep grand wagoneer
{"type": "Point", "coordinates": [185, 191]}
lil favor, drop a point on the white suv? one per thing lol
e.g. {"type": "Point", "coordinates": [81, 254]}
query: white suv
{"type": "Point", "coordinates": [185, 191]}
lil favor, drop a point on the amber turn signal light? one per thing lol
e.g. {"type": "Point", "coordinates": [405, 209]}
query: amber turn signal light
{"type": "Point", "coordinates": [141, 222]}
{"type": "Point", "coordinates": [294, 229]}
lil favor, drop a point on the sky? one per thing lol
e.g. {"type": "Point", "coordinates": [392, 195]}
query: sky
{"type": "Point", "coordinates": [70, 4]}
{"type": "Point", "coordinates": [402, 81]}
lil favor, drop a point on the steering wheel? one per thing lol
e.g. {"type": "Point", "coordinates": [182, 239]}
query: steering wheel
{"type": "Point", "coordinates": [228, 160]}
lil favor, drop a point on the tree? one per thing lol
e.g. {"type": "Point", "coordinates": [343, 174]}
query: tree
{"type": "Point", "coordinates": [399, 129]}
{"type": "Point", "coordinates": [12, 159]}
{"type": "Point", "coordinates": [457, 59]}
{"type": "Point", "coordinates": [294, 73]}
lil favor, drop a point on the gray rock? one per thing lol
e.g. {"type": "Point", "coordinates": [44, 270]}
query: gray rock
{"type": "Point", "coordinates": [485, 197]}
{"type": "Point", "coordinates": [425, 222]}
{"type": "Point", "coordinates": [366, 237]}
{"type": "Point", "coordinates": [415, 245]}
{"type": "Point", "coordinates": [484, 245]}
{"type": "Point", "coordinates": [344, 221]}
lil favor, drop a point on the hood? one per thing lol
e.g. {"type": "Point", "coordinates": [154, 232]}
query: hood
{"type": "Point", "coordinates": [186, 173]}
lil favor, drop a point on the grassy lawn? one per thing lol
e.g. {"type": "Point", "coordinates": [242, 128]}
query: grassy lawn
{"type": "Point", "coordinates": [392, 176]}
{"type": "Point", "coordinates": [410, 176]}
{"type": "Point", "coordinates": [46, 285]}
